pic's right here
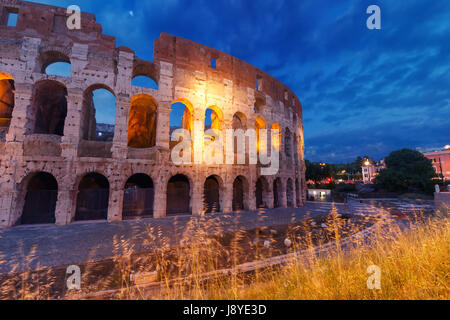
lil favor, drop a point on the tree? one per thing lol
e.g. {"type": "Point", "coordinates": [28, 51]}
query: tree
{"type": "Point", "coordinates": [407, 170]}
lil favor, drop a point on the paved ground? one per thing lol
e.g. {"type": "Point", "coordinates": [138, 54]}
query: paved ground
{"type": "Point", "coordinates": [25, 248]}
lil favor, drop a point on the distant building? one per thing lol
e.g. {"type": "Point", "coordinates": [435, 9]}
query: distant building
{"type": "Point", "coordinates": [441, 161]}
{"type": "Point", "coordinates": [370, 170]}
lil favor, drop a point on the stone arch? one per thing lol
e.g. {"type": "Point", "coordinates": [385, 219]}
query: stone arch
{"type": "Point", "coordinates": [297, 193]}
{"type": "Point", "coordinates": [49, 107]}
{"type": "Point", "coordinates": [276, 139]}
{"type": "Point", "coordinates": [178, 195]}
{"type": "Point", "coordinates": [181, 117]}
{"type": "Point", "coordinates": [142, 122]}
{"type": "Point", "coordinates": [7, 102]}
{"type": "Point", "coordinates": [41, 193]}
{"type": "Point", "coordinates": [92, 198]}
{"type": "Point", "coordinates": [240, 193]}
{"type": "Point", "coordinates": [92, 128]}
{"type": "Point", "coordinates": [262, 191]}
{"type": "Point", "coordinates": [52, 56]}
{"type": "Point", "coordinates": [239, 121]}
{"type": "Point", "coordinates": [211, 194]}
{"type": "Point", "coordinates": [144, 69]}
{"type": "Point", "coordinates": [260, 124]}
{"type": "Point", "coordinates": [288, 143]}
{"type": "Point", "coordinates": [289, 193]}
{"type": "Point", "coordinates": [277, 193]}
{"type": "Point", "coordinates": [139, 194]}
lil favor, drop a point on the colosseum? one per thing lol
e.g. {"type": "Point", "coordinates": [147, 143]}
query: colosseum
{"type": "Point", "coordinates": [59, 163]}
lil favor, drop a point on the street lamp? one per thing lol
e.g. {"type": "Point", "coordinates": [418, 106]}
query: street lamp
{"type": "Point", "coordinates": [447, 147]}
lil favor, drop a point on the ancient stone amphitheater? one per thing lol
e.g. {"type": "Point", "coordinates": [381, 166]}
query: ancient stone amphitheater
{"type": "Point", "coordinates": [58, 165]}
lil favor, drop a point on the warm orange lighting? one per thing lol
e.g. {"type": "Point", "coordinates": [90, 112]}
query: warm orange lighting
{"type": "Point", "coordinates": [367, 163]}
{"type": "Point", "coordinates": [447, 147]}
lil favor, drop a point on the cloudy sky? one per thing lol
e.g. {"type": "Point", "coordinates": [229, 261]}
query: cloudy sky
{"type": "Point", "coordinates": [364, 92]}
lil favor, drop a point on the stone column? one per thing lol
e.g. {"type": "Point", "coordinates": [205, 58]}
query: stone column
{"type": "Point", "coordinates": [269, 199]}
{"type": "Point", "coordinates": [7, 198]}
{"type": "Point", "coordinates": [163, 125]}
{"type": "Point", "coordinates": [120, 142]}
{"type": "Point", "coordinates": [160, 200]}
{"type": "Point", "coordinates": [115, 205]}
{"type": "Point", "coordinates": [227, 195]}
{"type": "Point", "coordinates": [72, 125]}
{"type": "Point", "coordinates": [252, 195]}
{"type": "Point", "coordinates": [21, 122]}
{"type": "Point", "coordinates": [283, 199]}
{"type": "Point", "coordinates": [197, 198]}
{"type": "Point", "coordinates": [65, 206]}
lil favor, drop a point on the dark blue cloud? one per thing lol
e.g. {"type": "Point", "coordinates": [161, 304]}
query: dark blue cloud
{"type": "Point", "coordinates": [363, 91]}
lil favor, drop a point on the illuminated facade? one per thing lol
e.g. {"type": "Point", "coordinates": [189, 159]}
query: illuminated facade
{"type": "Point", "coordinates": [58, 165]}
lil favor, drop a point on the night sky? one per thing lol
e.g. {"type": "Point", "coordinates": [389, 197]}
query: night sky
{"type": "Point", "coordinates": [364, 92]}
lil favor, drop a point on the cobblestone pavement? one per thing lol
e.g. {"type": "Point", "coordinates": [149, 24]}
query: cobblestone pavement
{"type": "Point", "coordinates": [24, 248]}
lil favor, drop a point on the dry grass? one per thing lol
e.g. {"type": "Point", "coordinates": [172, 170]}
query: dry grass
{"type": "Point", "coordinates": [414, 263]}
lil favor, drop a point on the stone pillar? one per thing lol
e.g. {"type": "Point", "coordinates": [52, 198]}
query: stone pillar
{"type": "Point", "coordinates": [160, 200]}
{"type": "Point", "coordinates": [65, 206]}
{"type": "Point", "coordinates": [269, 199]}
{"type": "Point", "coordinates": [21, 122]}
{"type": "Point", "coordinates": [72, 125]}
{"type": "Point", "coordinates": [197, 198]}
{"type": "Point", "coordinates": [120, 142]}
{"type": "Point", "coordinates": [251, 196]}
{"type": "Point", "coordinates": [115, 205]}
{"type": "Point", "coordinates": [227, 196]}
{"type": "Point", "coordinates": [283, 199]}
{"type": "Point", "coordinates": [7, 198]}
{"type": "Point", "coordinates": [163, 125]}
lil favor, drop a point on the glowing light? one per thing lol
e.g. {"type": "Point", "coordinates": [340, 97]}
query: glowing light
{"type": "Point", "coordinates": [447, 147]}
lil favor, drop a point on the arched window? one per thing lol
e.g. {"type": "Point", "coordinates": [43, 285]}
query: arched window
{"type": "Point", "coordinates": [144, 82]}
{"type": "Point", "coordinates": [288, 143]}
{"type": "Point", "coordinates": [240, 194]}
{"type": "Point", "coordinates": [261, 192]}
{"type": "Point", "coordinates": [289, 193]}
{"type": "Point", "coordinates": [277, 193]}
{"type": "Point", "coordinates": [55, 63]}
{"type": "Point", "coordinates": [62, 69]}
{"type": "Point", "coordinates": [211, 195]}
{"type": "Point", "coordinates": [142, 122]}
{"type": "Point", "coordinates": [50, 107]}
{"type": "Point", "coordinates": [178, 195]}
{"type": "Point", "coordinates": [92, 198]}
{"type": "Point", "coordinates": [100, 113]}
{"type": "Point", "coordinates": [40, 199]}
{"type": "Point", "coordinates": [181, 117]}
{"type": "Point", "coordinates": [6, 102]}
{"type": "Point", "coordinates": [259, 125]}
{"type": "Point", "coordinates": [138, 196]}
{"type": "Point", "coordinates": [276, 138]}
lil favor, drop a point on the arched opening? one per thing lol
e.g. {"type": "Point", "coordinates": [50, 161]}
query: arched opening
{"type": "Point", "coordinates": [211, 195]}
{"type": "Point", "coordinates": [261, 192]}
{"type": "Point", "coordinates": [50, 107]}
{"type": "Point", "coordinates": [259, 125]}
{"type": "Point", "coordinates": [276, 138]}
{"type": "Point", "coordinates": [92, 198]}
{"type": "Point", "coordinates": [55, 63]}
{"type": "Point", "coordinates": [214, 123]}
{"type": "Point", "coordinates": [142, 122]}
{"type": "Point", "coordinates": [99, 104]}
{"type": "Point", "coordinates": [240, 194]}
{"type": "Point", "coordinates": [297, 193]}
{"type": "Point", "coordinates": [40, 199]}
{"type": "Point", "coordinates": [138, 197]}
{"type": "Point", "coordinates": [61, 69]}
{"type": "Point", "coordinates": [288, 144]}
{"type": "Point", "coordinates": [144, 82]}
{"type": "Point", "coordinates": [296, 149]}
{"type": "Point", "coordinates": [178, 195]}
{"type": "Point", "coordinates": [181, 117]}
{"type": "Point", "coordinates": [289, 193]}
{"type": "Point", "coordinates": [145, 75]}
{"type": "Point", "coordinates": [258, 107]}
{"type": "Point", "coordinates": [277, 193]}
{"type": "Point", "coordinates": [6, 103]}
{"type": "Point", "coordinates": [239, 122]}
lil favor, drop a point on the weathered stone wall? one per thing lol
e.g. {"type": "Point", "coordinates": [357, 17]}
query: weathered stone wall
{"type": "Point", "coordinates": [182, 70]}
